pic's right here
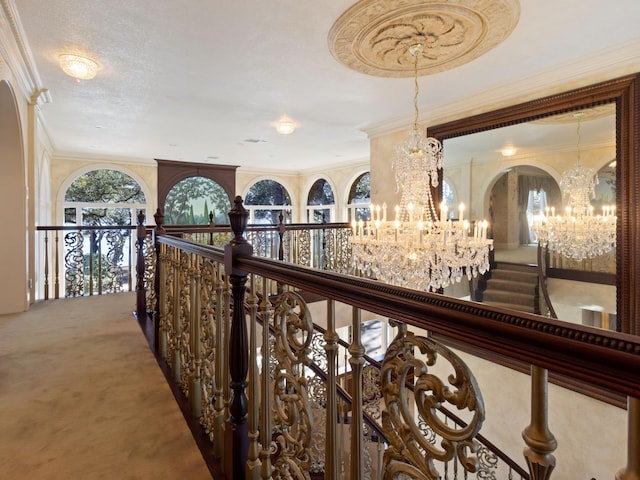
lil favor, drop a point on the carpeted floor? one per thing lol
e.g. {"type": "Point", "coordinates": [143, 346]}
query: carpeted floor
{"type": "Point", "coordinates": [82, 397]}
{"type": "Point", "coordinates": [524, 254]}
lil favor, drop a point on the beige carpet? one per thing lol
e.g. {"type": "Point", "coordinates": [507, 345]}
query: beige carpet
{"type": "Point", "coordinates": [82, 397]}
{"type": "Point", "coordinates": [524, 254]}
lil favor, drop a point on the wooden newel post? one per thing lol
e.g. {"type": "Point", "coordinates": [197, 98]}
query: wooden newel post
{"type": "Point", "coordinates": [281, 229]}
{"type": "Point", "coordinates": [237, 428]}
{"type": "Point", "coordinates": [540, 441]}
{"type": "Point", "coordinates": [159, 230]}
{"type": "Point", "coordinates": [141, 291]}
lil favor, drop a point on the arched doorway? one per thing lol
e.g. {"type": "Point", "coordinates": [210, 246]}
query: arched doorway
{"type": "Point", "coordinates": [13, 197]}
{"type": "Point", "coordinates": [517, 197]}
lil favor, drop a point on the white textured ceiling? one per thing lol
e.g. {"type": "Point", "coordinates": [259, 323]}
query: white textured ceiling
{"type": "Point", "coordinates": [205, 81]}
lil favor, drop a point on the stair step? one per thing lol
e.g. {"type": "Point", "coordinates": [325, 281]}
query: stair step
{"type": "Point", "coordinates": [511, 286]}
{"type": "Point", "coordinates": [514, 275]}
{"type": "Point", "coordinates": [511, 306]}
{"type": "Point", "coordinates": [508, 297]}
{"type": "Point", "coordinates": [521, 267]}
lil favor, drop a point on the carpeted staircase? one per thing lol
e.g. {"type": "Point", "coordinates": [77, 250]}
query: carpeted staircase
{"type": "Point", "coordinates": [511, 286]}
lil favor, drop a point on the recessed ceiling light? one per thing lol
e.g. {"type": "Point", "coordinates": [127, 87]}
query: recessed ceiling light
{"type": "Point", "coordinates": [77, 66]}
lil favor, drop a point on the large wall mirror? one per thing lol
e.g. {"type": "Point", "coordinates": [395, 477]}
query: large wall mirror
{"type": "Point", "coordinates": [507, 165]}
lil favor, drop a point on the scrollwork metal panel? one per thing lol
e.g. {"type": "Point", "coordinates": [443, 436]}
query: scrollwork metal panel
{"type": "Point", "coordinates": [115, 272]}
{"type": "Point", "coordinates": [293, 332]}
{"type": "Point", "coordinates": [409, 452]}
{"type": "Point", "coordinates": [184, 346]}
{"type": "Point", "coordinates": [73, 264]}
{"type": "Point", "coordinates": [303, 250]}
{"type": "Point", "coordinates": [208, 339]}
{"type": "Point", "coordinates": [149, 254]}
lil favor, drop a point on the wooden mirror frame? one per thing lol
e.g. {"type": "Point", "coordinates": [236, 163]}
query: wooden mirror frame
{"type": "Point", "coordinates": [625, 92]}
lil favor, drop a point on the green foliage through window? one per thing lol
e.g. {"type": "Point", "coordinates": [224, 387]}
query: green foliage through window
{"type": "Point", "coordinates": [267, 192]}
{"type": "Point", "coordinates": [104, 186]}
{"type": "Point", "coordinates": [361, 189]}
{"type": "Point", "coordinates": [190, 201]}
{"type": "Point", "coordinates": [320, 193]}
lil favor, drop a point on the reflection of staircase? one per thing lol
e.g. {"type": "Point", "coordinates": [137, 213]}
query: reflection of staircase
{"type": "Point", "coordinates": [511, 286]}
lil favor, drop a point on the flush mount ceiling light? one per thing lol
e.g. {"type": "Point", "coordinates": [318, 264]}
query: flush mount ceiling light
{"type": "Point", "coordinates": [285, 127]}
{"type": "Point", "coordinates": [77, 66]}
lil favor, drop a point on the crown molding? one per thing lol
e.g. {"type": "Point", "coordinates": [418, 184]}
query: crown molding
{"type": "Point", "coordinates": [352, 164]}
{"type": "Point", "coordinates": [79, 157]}
{"type": "Point", "coordinates": [604, 65]}
{"type": "Point", "coordinates": [15, 50]}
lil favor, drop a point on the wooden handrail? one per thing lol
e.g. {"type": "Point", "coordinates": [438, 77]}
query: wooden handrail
{"type": "Point", "coordinates": [86, 227]}
{"type": "Point", "coordinates": [607, 359]}
{"type": "Point", "coordinates": [543, 267]}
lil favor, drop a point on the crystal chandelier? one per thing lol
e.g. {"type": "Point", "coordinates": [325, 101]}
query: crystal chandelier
{"type": "Point", "coordinates": [421, 248]}
{"type": "Point", "coordinates": [578, 234]}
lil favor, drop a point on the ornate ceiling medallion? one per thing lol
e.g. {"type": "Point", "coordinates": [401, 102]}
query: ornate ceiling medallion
{"type": "Point", "coordinates": [374, 36]}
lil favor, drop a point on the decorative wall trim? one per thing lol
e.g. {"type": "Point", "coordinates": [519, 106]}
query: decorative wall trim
{"type": "Point", "coordinates": [15, 51]}
{"type": "Point", "coordinates": [602, 66]}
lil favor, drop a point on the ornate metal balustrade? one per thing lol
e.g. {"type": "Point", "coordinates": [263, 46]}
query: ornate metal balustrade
{"type": "Point", "coordinates": [325, 246]}
{"type": "Point", "coordinates": [260, 408]}
{"type": "Point", "coordinates": [191, 334]}
{"type": "Point", "coordinates": [87, 260]}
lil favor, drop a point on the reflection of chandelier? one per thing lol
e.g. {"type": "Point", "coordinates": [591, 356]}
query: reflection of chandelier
{"type": "Point", "coordinates": [419, 249]}
{"type": "Point", "coordinates": [579, 234]}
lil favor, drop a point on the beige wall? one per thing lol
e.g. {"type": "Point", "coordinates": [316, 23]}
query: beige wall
{"type": "Point", "coordinates": [383, 184]}
{"type": "Point", "coordinates": [14, 196]}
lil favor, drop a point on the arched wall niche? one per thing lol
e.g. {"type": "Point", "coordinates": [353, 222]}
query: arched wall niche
{"type": "Point", "coordinates": [625, 93]}
{"type": "Point", "coordinates": [171, 172]}
{"type": "Point", "coordinates": [13, 196]}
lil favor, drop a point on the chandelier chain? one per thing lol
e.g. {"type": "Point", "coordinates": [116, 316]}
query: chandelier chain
{"type": "Point", "coordinates": [416, 89]}
{"type": "Point", "coordinates": [578, 115]}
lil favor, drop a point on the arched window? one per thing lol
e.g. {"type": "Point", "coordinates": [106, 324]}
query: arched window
{"type": "Point", "coordinates": [100, 259]}
{"type": "Point", "coordinates": [360, 198]}
{"type": "Point", "coordinates": [448, 195]}
{"type": "Point", "coordinates": [320, 202]}
{"type": "Point", "coordinates": [605, 190]}
{"type": "Point", "coordinates": [196, 200]}
{"type": "Point", "coordinates": [103, 197]}
{"type": "Point", "coordinates": [266, 200]}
